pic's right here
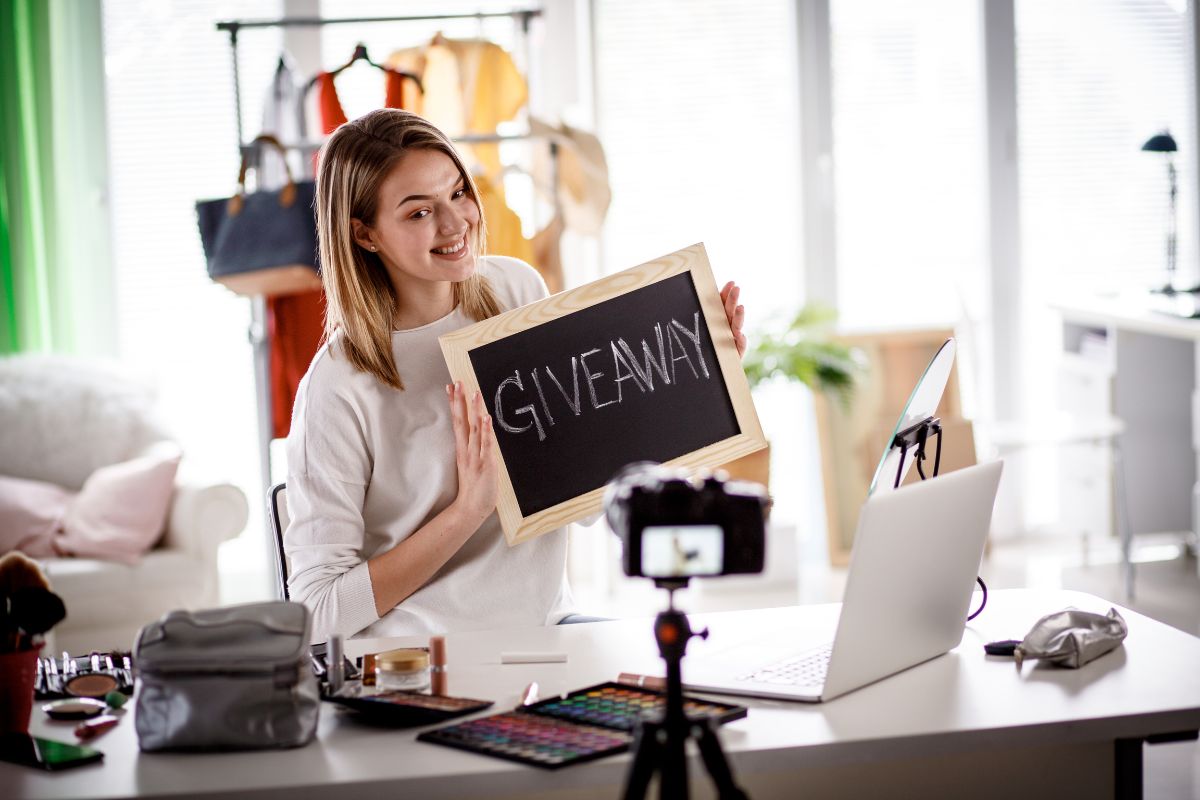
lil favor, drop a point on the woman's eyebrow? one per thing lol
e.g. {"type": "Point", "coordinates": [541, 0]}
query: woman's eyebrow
{"type": "Point", "coordinates": [454, 185]}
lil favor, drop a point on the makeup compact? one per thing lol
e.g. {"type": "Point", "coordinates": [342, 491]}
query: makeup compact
{"type": "Point", "coordinates": [74, 708]}
{"type": "Point", "coordinates": [91, 684]}
{"type": "Point", "coordinates": [404, 670]}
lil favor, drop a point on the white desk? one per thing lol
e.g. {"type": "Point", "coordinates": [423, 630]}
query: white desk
{"type": "Point", "coordinates": [961, 725]}
{"type": "Point", "coordinates": [1144, 367]}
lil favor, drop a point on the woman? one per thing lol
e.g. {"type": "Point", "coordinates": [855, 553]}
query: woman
{"type": "Point", "coordinates": [392, 475]}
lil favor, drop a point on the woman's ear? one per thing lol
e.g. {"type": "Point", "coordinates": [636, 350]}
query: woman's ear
{"type": "Point", "coordinates": [363, 236]}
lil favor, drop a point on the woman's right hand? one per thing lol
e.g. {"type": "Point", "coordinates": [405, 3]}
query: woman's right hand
{"type": "Point", "coordinates": [474, 445]}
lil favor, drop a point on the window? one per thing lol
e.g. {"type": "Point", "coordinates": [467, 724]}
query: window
{"type": "Point", "coordinates": [909, 161]}
{"type": "Point", "coordinates": [1095, 81]}
{"type": "Point", "coordinates": [173, 140]}
{"type": "Point", "coordinates": [698, 108]}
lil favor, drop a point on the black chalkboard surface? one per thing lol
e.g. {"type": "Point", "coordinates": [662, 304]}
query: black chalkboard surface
{"type": "Point", "coordinates": [639, 366]}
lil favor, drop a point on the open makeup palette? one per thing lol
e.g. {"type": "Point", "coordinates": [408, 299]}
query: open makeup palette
{"type": "Point", "coordinates": [581, 726]}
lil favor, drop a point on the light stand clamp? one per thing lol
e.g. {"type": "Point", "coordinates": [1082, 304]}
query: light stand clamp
{"type": "Point", "coordinates": [915, 436]}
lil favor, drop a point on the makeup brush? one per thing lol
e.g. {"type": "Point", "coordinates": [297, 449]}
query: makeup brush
{"type": "Point", "coordinates": [19, 571]}
{"type": "Point", "coordinates": [34, 610]}
{"type": "Point", "coordinates": [27, 606]}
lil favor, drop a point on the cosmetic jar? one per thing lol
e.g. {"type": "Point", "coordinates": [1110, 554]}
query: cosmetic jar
{"type": "Point", "coordinates": [402, 669]}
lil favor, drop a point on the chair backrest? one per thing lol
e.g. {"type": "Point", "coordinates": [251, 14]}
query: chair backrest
{"type": "Point", "coordinates": [278, 511]}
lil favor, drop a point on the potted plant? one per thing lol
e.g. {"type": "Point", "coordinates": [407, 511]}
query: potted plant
{"type": "Point", "coordinates": [27, 610]}
{"type": "Point", "coordinates": [804, 352]}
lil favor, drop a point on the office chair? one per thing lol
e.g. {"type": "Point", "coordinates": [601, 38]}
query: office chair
{"type": "Point", "coordinates": [278, 511]}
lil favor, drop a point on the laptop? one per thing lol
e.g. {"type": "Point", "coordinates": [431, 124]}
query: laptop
{"type": "Point", "coordinates": [912, 573]}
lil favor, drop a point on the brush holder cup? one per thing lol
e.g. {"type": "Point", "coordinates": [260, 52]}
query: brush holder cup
{"type": "Point", "coordinates": [18, 672]}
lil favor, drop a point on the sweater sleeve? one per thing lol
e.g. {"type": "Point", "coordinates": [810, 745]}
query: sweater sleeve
{"type": "Point", "coordinates": [328, 469]}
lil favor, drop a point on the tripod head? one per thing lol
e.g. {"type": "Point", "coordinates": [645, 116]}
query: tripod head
{"type": "Point", "coordinates": [673, 630]}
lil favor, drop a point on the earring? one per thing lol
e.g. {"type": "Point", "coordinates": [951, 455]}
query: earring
{"type": "Point", "coordinates": [374, 249]}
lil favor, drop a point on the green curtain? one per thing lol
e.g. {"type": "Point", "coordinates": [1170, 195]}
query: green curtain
{"type": "Point", "coordinates": [55, 269]}
{"type": "Point", "coordinates": [27, 182]}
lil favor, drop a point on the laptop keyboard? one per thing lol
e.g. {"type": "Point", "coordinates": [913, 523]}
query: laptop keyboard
{"type": "Point", "coordinates": [807, 669]}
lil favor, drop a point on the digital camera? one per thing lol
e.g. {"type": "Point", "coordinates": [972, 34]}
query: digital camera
{"type": "Point", "coordinates": [674, 527]}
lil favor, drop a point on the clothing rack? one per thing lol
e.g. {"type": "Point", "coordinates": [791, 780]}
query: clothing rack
{"type": "Point", "coordinates": [233, 27]}
{"type": "Point", "coordinates": [258, 306]}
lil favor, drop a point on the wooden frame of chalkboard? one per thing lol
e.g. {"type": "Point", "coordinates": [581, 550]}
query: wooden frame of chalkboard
{"type": "Point", "coordinates": [662, 357]}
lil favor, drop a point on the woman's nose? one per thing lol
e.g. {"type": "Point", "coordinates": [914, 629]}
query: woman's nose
{"type": "Point", "coordinates": [452, 220]}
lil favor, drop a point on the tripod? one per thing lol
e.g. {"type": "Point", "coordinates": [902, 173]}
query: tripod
{"type": "Point", "coordinates": [661, 745]}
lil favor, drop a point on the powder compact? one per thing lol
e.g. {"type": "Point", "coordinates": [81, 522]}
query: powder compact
{"type": "Point", "coordinates": [91, 684]}
{"type": "Point", "coordinates": [74, 708]}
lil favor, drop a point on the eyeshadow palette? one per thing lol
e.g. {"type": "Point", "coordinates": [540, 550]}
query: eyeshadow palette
{"type": "Point", "coordinates": [621, 707]}
{"type": "Point", "coordinates": [583, 725]}
{"type": "Point", "coordinates": [409, 709]}
{"type": "Point", "coordinates": [531, 739]}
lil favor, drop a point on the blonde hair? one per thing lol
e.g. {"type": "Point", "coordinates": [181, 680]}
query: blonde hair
{"type": "Point", "coordinates": [360, 300]}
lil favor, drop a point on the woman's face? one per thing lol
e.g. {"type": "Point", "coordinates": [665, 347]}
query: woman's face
{"type": "Point", "coordinates": [426, 221]}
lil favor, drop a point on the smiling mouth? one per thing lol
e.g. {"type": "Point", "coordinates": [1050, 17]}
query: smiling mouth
{"type": "Point", "coordinates": [452, 249]}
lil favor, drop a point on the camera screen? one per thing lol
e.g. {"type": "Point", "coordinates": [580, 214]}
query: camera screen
{"type": "Point", "coordinates": [680, 551]}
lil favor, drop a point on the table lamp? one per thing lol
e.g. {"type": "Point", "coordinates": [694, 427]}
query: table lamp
{"type": "Point", "coordinates": [1164, 143]}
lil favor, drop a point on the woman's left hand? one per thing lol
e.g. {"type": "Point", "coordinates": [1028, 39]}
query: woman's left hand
{"type": "Point", "coordinates": [736, 315]}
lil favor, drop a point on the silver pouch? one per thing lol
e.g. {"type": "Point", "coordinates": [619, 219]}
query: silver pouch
{"type": "Point", "coordinates": [1072, 638]}
{"type": "Point", "coordinates": [235, 678]}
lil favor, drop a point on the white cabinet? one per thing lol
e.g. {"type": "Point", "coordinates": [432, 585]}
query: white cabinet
{"type": "Point", "coordinates": [1085, 454]}
{"type": "Point", "coordinates": [1122, 359]}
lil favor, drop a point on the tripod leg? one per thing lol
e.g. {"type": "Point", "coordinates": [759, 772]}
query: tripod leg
{"type": "Point", "coordinates": [645, 757]}
{"type": "Point", "coordinates": [716, 763]}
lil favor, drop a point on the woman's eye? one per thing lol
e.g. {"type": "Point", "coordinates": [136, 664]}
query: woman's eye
{"type": "Point", "coordinates": [460, 193]}
{"type": "Point", "coordinates": [424, 212]}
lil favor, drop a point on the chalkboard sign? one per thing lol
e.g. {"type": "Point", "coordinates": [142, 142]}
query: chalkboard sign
{"type": "Point", "coordinates": [638, 366]}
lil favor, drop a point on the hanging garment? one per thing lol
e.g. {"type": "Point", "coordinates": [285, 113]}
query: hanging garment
{"type": "Point", "coordinates": [296, 322]}
{"type": "Point", "coordinates": [329, 105]}
{"type": "Point", "coordinates": [283, 117]}
{"type": "Point", "coordinates": [471, 86]}
{"type": "Point", "coordinates": [504, 236]}
{"type": "Point", "coordinates": [582, 192]}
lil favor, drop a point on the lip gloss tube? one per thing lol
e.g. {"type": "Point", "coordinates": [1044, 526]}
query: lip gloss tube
{"type": "Point", "coordinates": [437, 665]}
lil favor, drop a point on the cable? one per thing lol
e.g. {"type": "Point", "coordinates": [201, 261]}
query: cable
{"type": "Point", "coordinates": [982, 602]}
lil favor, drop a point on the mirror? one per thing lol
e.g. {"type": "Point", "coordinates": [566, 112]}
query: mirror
{"type": "Point", "coordinates": [921, 404]}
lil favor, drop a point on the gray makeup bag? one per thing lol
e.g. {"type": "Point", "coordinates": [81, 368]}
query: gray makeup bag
{"type": "Point", "coordinates": [236, 678]}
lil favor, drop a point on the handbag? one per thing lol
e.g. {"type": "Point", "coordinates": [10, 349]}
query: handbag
{"type": "Point", "coordinates": [265, 242]}
{"type": "Point", "coordinates": [234, 678]}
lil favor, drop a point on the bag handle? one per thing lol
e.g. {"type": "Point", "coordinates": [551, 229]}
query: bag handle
{"type": "Point", "coordinates": [287, 195]}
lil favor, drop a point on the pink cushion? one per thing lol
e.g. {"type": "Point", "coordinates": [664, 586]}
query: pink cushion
{"type": "Point", "coordinates": [31, 513]}
{"type": "Point", "coordinates": [121, 510]}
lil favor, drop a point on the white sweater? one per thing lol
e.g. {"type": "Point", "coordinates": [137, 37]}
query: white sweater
{"type": "Point", "coordinates": [368, 465]}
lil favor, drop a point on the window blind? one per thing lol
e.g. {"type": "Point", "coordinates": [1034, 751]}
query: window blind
{"type": "Point", "coordinates": [1096, 79]}
{"type": "Point", "coordinates": [909, 168]}
{"type": "Point", "coordinates": [173, 140]}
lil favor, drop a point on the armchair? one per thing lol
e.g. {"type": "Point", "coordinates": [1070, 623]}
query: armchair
{"type": "Point", "coordinates": [63, 418]}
